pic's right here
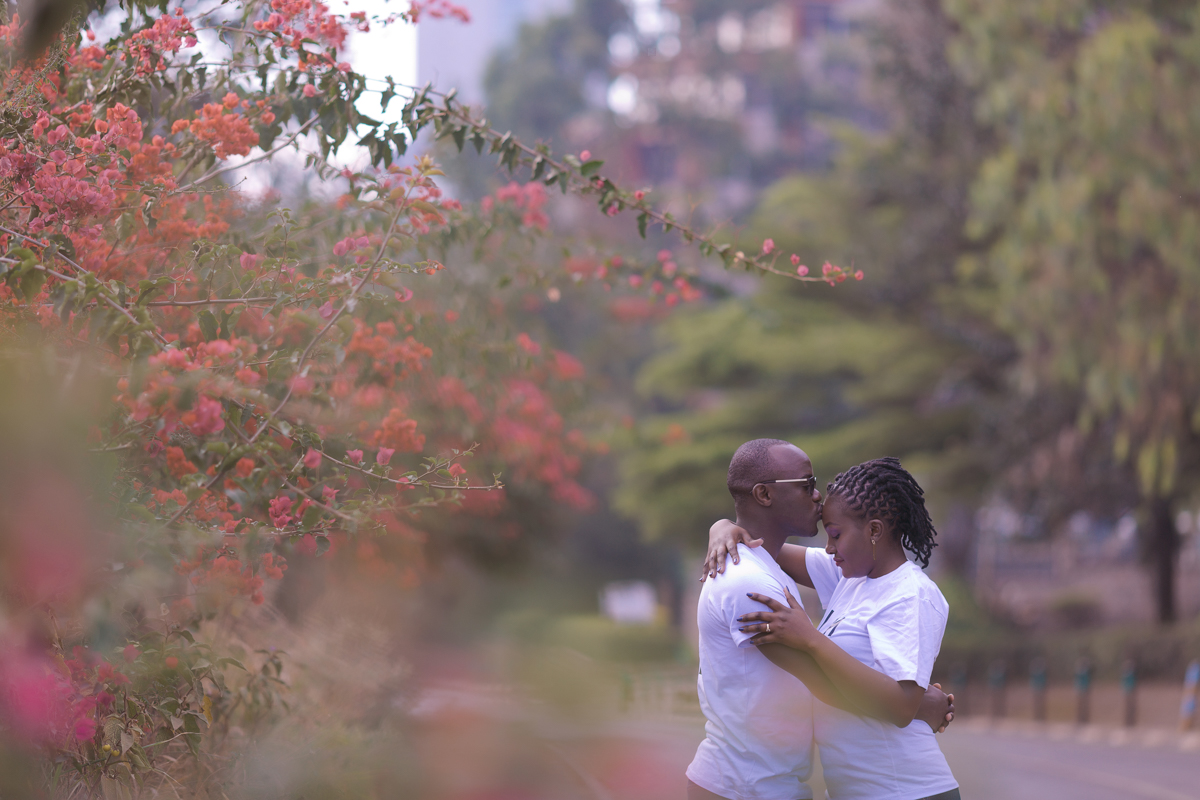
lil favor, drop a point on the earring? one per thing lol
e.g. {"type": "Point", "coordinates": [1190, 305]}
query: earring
{"type": "Point", "coordinates": [873, 543]}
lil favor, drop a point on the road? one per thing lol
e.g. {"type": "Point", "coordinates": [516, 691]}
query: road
{"type": "Point", "coordinates": [1008, 765]}
{"type": "Point", "coordinates": [646, 760]}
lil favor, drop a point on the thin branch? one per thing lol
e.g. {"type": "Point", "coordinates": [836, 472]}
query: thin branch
{"type": "Point", "coordinates": [233, 301]}
{"type": "Point", "coordinates": [215, 172]}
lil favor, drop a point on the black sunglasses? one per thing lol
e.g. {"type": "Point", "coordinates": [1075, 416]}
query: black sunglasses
{"type": "Point", "coordinates": [811, 482]}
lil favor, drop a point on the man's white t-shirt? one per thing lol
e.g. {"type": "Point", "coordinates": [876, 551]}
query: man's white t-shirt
{"type": "Point", "coordinates": [759, 742]}
{"type": "Point", "coordinates": [893, 624]}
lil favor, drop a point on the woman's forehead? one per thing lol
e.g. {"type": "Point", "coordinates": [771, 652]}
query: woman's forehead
{"type": "Point", "coordinates": [833, 508]}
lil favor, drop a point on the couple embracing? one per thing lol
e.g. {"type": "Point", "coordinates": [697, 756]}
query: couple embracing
{"type": "Point", "coordinates": [774, 687]}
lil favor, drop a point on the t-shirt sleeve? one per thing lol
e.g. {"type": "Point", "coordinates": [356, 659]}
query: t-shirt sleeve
{"type": "Point", "coordinates": [823, 573]}
{"type": "Point", "coordinates": [737, 603]}
{"type": "Point", "coordinates": [906, 637]}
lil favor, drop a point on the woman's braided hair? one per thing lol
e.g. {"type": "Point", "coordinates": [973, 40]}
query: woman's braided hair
{"type": "Point", "coordinates": [882, 489]}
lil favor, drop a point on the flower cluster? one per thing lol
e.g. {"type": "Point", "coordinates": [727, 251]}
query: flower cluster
{"type": "Point", "coordinates": [228, 133]}
{"type": "Point", "coordinates": [529, 198]}
{"type": "Point", "coordinates": [168, 34]}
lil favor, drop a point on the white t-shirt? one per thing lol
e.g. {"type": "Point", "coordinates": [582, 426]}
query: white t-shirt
{"type": "Point", "coordinates": [893, 624]}
{"type": "Point", "coordinates": [759, 742]}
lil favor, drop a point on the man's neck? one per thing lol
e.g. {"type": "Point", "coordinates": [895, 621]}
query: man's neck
{"type": "Point", "coordinates": [773, 538]}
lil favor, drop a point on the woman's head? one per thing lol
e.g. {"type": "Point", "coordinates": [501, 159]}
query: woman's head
{"type": "Point", "coordinates": [885, 491]}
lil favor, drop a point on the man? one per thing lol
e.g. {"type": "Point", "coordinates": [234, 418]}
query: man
{"type": "Point", "coordinates": [759, 734]}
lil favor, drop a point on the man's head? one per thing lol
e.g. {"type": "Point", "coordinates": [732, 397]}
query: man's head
{"type": "Point", "coordinates": [773, 488]}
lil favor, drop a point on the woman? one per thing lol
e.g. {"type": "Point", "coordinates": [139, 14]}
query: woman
{"type": "Point", "coordinates": [877, 640]}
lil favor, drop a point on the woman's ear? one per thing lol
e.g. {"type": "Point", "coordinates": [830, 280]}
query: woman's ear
{"type": "Point", "coordinates": [875, 529]}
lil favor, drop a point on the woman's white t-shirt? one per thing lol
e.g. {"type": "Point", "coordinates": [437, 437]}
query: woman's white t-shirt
{"type": "Point", "coordinates": [893, 624]}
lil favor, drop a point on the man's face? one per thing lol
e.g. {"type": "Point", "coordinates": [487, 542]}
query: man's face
{"type": "Point", "coordinates": [794, 502]}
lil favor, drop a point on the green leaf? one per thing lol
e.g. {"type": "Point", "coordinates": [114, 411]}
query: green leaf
{"type": "Point", "coordinates": [590, 168]}
{"type": "Point", "coordinates": [312, 515]}
{"type": "Point", "coordinates": [31, 283]}
{"type": "Point", "coordinates": [322, 545]}
{"type": "Point", "coordinates": [642, 220]}
{"type": "Point", "coordinates": [208, 324]}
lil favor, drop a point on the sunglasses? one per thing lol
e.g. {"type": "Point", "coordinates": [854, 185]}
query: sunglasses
{"type": "Point", "coordinates": [810, 483]}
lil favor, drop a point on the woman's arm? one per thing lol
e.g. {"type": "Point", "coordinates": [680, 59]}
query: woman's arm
{"type": "Point", "coordinates": [802, 666]}
{"type": "Point", "coordinates": [723, 539]}
{"type": "Point", "coordinates": [871, 692]}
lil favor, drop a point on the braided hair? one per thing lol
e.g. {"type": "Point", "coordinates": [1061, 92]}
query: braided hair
{"type": "Point", "coordinates": [882, 489]}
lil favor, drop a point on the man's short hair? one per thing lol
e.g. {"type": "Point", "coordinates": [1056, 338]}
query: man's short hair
{"type": "Point", "coordinates": [751, 465]}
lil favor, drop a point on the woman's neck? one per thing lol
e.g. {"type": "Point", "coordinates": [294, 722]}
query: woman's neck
{"type": "Point", "coordinates": [887, 562]}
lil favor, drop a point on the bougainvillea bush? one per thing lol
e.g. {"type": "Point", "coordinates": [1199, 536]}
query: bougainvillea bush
{"type": "Point", "coordinates": [199, 383]}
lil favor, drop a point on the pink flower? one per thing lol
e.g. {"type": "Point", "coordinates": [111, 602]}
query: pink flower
{"type": "Point", "coordinates": [635, 281]}
{"type": "Point", "coordinates": [795, 260]}
{"type": "Point", "coordinates": [669, 268]}
{"type": "Point", "coordinates": [131, 652]}
{"type": "Point", "coordinates": [639, 195]}
{"type": "Point", "coordinates": [664, 255]}
{"type": "Point", "coordinates": [404, 295]}
{"type": "Point", "coordinates": [85, 728]}
{"type": "Point", "coordinates": [354, 456]}
{"type": "Point", "coordinates": [801, 270]}
{"type": "Point", "coordinates": [326, 310]}
{"type": "Point", "coordinates": [312, 459]}
{"type": "Point", "coordinates": [457, 469]}
{"type": "Point", "coordinates": [768, 246]}
{"type": "Point", "coordinates": [858, 275]}
{"type": "Point", "coordinates": [528, 345]}
{"type": "Point", "coordinates": [205, 417]}
{"type": "Point", "coordinates": [310, 90]}
{"type": "Point", "coordinates": [384, 455]}
{"type": "Point", "coordinates": [281, 511]}
{"type": "Point", "coordinates": [329, 494]}
{"type": "Point", "coordinates": [586, 155]}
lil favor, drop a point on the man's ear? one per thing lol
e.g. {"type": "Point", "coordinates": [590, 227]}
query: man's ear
{"type": "Point", "coordinates": [761, 494]}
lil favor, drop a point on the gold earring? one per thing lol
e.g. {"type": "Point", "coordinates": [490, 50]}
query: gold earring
{"type": "Point", "coordinates": [873, 543]}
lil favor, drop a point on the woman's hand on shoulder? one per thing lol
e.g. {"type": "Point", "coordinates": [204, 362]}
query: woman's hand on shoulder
{"type": "Point", "coordinates": [787, 625]}
{"type": "Point", "coordinates": [723, 538]}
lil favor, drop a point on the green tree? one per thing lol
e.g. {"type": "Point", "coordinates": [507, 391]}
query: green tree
{"type": "Point", "coordinates": [1088, 214]}
{"type": "Point", "coordinates": [900, 363]}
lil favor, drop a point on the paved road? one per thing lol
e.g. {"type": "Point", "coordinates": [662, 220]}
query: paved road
{"type": "Point", "coordinates": [994, 765]}
{"type": "Point", "coordinates": [645, 761]}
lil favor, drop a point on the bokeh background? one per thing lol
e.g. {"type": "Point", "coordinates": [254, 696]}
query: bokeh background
{"type": "Point", "coordinates": [1017, 182]}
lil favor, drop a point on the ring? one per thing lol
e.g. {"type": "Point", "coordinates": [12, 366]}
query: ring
{"type": "Point", "coordinates": [768, 627]}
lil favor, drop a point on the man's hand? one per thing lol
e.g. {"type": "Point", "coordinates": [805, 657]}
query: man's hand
{"type": "Point", "coordinates": [723, 538]}
{"type": "Point", "coordinates": [937, 708]}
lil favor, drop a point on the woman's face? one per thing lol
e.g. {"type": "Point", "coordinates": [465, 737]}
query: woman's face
{"type": "Point", "coordinates": [849, 538]}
